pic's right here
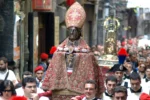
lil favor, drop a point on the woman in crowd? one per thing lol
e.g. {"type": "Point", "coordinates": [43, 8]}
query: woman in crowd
{"type": "Point", "coordinates": [7, 90]}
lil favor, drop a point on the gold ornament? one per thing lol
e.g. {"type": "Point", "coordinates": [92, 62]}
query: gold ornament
{"type": "Point", "coordinates": [114, 20]}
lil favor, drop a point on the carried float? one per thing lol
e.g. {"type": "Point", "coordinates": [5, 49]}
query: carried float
{"type": "Point", "coordinates": [110, 57]}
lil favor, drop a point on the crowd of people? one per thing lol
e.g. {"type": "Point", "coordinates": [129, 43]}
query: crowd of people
{"type": "Point", "coordinates": [29, 87]}
{"type": "Point", "coordinates": [128, 81]}
{"type": "Point", "coordinates": [134, 72]}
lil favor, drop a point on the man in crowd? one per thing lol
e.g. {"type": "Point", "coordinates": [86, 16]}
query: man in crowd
{"type": "Point", "coordinates": [136, 89]}
{"type": "Point", "coordinates": [141, 67]}
{"type": "Point", "coordinates": [146, 80]}
{"type": "Point", "coordinates": [144, 53]}
{"type": "Point", "coordinates": [24, 75]}
{"type": "Point", "coordinates": [129, 69]}
{"type": "Point", "coordinates": [127, 74]}
{"type": "Point", "coordinates": [141, 70]}
{"type": "Point", "coordinates": [118, 71]}
{"type": "Point", "coordinates": [133, 59]}
{"type": "Point", "coordinates": [120, 93]}
{"type": "Point", "coordinates": [27, 74]}
{"type": "Point", "coordinates": [90, 89]}
{"type": "Point", "coordinates": [5, 73]}
{"type": "Point", "coordinates": [30, 90]}
{"type": "Point", "coordinates": [147, 62]}
{"type": "Point", "coordinates": [39, 72]}
{"type": "Point", "coordinates": [111, 82]}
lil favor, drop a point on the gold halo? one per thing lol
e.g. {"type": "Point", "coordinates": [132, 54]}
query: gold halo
{"type": "Point", "coordinates": [115, 19]}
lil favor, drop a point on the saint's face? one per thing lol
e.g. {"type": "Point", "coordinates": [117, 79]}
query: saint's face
{"type": "Point", "coordinates": [74, 34]}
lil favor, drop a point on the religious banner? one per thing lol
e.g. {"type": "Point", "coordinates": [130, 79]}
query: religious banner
{"type": "Point", "coordinates": [42, 5]}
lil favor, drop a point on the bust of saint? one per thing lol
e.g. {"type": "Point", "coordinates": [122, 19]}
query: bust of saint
{"type": "Point", "coordinates": [73, 63]}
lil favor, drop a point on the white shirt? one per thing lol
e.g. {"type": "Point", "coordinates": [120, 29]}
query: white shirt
{"type": "Point", "coordinates": [10, 77]}
{"type": "Point", "coordinates": [135, 96]}
{"type": "Point", "coordinates": [20, 92]}
{"type": "Point", "coordinates": [126, 81]}
{"type": "Point", "coordinates": [89, 99]}
{"type": "Point", "coordinates": [105, 97]}
{"type": "Point", "coordinates": [145, 84]}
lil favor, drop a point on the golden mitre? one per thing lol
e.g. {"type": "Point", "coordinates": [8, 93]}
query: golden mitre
{"type": "Point", "coordinates": [75, 16]}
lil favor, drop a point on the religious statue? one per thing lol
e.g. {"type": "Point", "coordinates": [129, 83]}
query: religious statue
{"type": "Point", "coordinates": [110, 58]}
{"type": "Point", "coordinates": [111, 24]}
{"type": "Point", "coordinates": [110, 43]}
{"type": "Point", "coordinates": [73, 63]}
